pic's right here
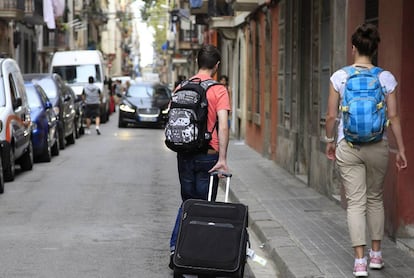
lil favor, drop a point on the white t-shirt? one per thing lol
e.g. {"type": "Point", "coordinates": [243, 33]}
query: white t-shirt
{"type": "Point", "coordinates": [338, 80]}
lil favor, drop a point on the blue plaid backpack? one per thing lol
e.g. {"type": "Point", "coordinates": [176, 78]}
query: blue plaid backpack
{"type": "Point", "coordinates": [363, 105]}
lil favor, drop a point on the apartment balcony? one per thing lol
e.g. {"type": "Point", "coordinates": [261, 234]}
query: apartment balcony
{"type": "Point", "coordinates": [228, 25]}
{"type": "Point", "coordinates": [228, 22]}
{"type": "Point", "coordinates": [210, 8]}
{"type": "Point", "coordinates": [12, 9]}
{"type": "Point", "coordinates": [245, 5]}
{"type": "Point", "coordinates": [33, 12]}
{"type": "Point", "coordinates": [198, 7]}
{"type": "Point", "coordinates": [183, 46]}
{"type": "Point", "coordinates": [54, 40]}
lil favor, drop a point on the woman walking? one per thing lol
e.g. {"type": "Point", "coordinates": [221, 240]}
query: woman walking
{"type": "Point", "coordinates": [363, 165]}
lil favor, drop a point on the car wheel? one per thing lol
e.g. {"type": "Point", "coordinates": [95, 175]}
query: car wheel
{"type": "Point", "coordinates": [62, 141]}
{"type": "Point", "coordinates": [1, 178]}
{"type": "Point", "coordinates": [26, 162]}
{"type": "Point", "coordinates": [47, 152]}
{"type": "Point", "coordinates": [56, 147]}
{"type": "Point", "coordinates": [71, 137]}
{"type": "Point", "coordinates": [77, 133]}
{"type": "Point", "coordinates": [9, 171]}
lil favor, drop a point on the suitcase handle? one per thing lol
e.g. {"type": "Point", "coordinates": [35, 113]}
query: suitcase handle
{"type": "Point", "coordinates": [215, 173]}
{"type": "Point", "coordinates": [210, 188]}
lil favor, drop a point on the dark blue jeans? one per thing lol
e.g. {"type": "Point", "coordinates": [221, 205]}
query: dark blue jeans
{"type": "Point", "coordinates": [194, 179]}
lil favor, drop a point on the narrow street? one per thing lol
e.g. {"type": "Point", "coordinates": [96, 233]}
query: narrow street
{"type": "Point", "coordinates": [103, 208]}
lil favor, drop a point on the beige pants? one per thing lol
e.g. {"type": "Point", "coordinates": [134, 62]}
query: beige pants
{"type": "Point", "coordinates": [362, 169]}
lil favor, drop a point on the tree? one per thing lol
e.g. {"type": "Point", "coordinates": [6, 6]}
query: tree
{"type": "Point", "coordinates": [155, 13]}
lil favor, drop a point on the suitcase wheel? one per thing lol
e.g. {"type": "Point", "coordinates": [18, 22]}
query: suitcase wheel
{"type": "Point", "coordinates": [177, 275]}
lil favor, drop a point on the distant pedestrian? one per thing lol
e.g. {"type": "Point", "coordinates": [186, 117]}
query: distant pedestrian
{"type": "Point", "coordinates": [126, 87]}
{"type": "Point", "coordinates": [224, 79]}
{"type": "Point", "coordinates": [194, 168]}
{"type": "Point", "coordinates": [363, 165]}
{"type": "Point", "coordinates": [117, 89]}
{"type": "Point", "coordinates": [92, 97]}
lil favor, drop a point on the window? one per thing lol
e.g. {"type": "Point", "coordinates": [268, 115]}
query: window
{"type": "Point", "coordinates": [78, 73]}
{"type": "Point", "coordinates": [13, 91]}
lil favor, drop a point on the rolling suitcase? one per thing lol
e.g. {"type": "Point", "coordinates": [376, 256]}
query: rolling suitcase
{"type": "Point", "coordinates": [213, 237]}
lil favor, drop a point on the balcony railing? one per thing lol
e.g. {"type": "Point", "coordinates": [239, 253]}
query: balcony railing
{"type": "Point", "coordinates": [33, 12]}
{"type": "Point", "coordinates": [12, 9]}
{"type": "Point", "coordinates": [210, 7]}
{"type": "Point", "coordinates": [54, 40]}
{"type": "Point", "coordinates": [188, 40]}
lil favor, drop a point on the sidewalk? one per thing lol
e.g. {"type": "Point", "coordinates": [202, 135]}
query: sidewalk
{"type": "Point", "coordinates": [303, 232]}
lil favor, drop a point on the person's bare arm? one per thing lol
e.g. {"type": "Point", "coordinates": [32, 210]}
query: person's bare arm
{"type": "Point", "coordinates": [223, 136]}
{"type": "Point", "coordinates": [392, 113]}
{"type": "Point", "coordinates": [331, 115]}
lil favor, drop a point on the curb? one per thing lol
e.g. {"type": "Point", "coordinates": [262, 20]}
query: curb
{"type": "Point", "coordinates": [278, 245]}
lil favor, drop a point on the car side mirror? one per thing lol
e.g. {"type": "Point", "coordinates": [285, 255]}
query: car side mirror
{"type": "Point", "coordinates": [48, 105]}
{"type": "Point", "coordinates": [17, 103]}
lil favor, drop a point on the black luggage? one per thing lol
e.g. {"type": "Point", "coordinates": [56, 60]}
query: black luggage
{"type": "Point", "coordinates": [213, 238]}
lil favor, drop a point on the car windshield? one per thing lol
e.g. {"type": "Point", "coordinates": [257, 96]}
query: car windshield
{"type": "Point", "coordinates": [48, 86]}
{"type": "Point", "coordinates": [140, 91]}
{"type": "Point", "coordinates": [78, 73]}
{"type": "Point", "coordinates": [33, 97]}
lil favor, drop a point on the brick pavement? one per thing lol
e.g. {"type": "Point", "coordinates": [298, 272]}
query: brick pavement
{"type": "Point", "coordinates": [304, 233]}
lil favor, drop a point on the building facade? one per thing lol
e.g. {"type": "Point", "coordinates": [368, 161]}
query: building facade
{"type": "Point", "coordinates": [279, 56]}
{"type": "Point", "coordinates": [32, 30]}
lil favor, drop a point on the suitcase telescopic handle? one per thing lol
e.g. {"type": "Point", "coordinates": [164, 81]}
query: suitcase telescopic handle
{"type": "Point", "coordinates": [215, 173]}
{"type": "Point", "coordinates": [210, 188]}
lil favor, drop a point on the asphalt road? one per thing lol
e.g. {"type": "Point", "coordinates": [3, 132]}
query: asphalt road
{"type": "Point", "coordinates": [104, 207]}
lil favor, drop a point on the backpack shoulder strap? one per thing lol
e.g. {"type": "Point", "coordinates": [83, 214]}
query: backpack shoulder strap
{"type": "Point", "coordinates": [208, 83]}
{"type": "Point", "coordinates": [349, 70]}
{"type": "Point", "coordinates": [376, 70]}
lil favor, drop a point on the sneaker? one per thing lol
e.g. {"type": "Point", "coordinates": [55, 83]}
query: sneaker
{"type": "Point", "coordinates": [98, 132]}
{"type": "Point", "coordinates": [360, 270]}
{"type": "Point", "coordinates": [375, 261]}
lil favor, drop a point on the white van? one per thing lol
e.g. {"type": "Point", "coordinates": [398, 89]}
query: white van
{"type": "Point", "coordinates": [76, 66]}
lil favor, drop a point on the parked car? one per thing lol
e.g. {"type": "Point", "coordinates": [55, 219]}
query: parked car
{"type": "Point", "coordinates": [1, 178]}
{"type": "Point", "coordinates": [144, 104]}
{"type": "Point", "coordinates": [45, 135]}
{"type": "Point", "coordinates": [63, 103]}
{"type": "Point", "coordinates": [15, 121]}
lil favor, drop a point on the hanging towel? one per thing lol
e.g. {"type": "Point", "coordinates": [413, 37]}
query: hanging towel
{"type": "Point", "coordinates": [48, 15]}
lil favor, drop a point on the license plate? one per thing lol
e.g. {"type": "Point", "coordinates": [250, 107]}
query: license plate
{"type": "Point", "coordinates": [148, 119]}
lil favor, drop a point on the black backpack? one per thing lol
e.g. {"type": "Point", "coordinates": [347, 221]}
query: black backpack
{"type": "Point", "coordinates": [186, 128]}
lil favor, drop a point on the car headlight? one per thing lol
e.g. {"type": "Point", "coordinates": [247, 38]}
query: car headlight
{"type": "Point", "coordinates": [166, 110]}
{"type": "Point", "coordinates": [126, 108]}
